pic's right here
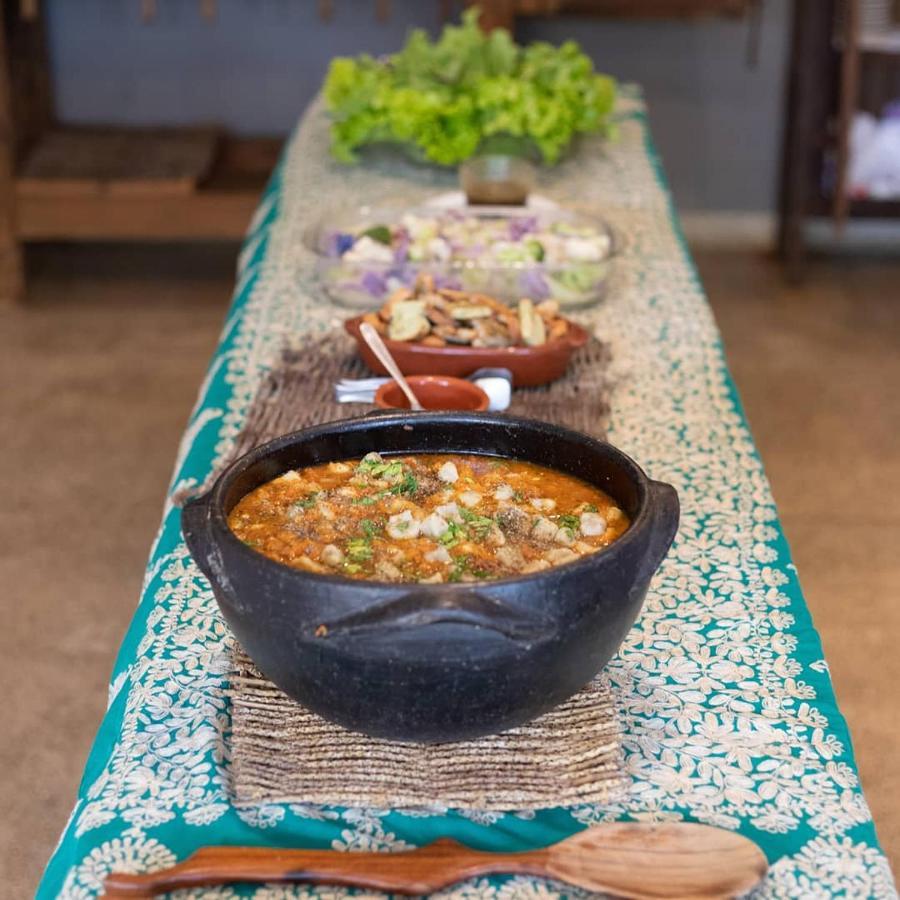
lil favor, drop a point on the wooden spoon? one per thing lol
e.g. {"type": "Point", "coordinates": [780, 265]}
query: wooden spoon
{"type": "Point", "coordinates": [628, 859]}
{"type": "Point", "coordinates": [373, 339]}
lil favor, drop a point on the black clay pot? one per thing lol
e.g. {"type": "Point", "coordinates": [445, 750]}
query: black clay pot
{"type": "Point", "coordinates": [442, 662]}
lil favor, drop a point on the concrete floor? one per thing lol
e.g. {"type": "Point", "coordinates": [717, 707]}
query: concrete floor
{"type": "Point", "coordinates": [103, 365]}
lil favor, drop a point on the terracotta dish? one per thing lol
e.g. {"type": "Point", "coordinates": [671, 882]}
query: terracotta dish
{"type": "Point", "coordinates": [530, 365]}
{"type": "Point", "coordinates": [434, 392]}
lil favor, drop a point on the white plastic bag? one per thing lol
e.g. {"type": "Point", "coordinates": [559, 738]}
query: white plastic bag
{"type": "Point", "coordinates": [874, 166]}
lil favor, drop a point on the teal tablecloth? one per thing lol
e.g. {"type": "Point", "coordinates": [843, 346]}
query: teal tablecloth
{"type": "Point", "coordinates": [725, 697]}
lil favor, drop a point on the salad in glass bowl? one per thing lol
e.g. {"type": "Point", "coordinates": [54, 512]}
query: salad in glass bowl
{"type": "Point", "coordinates": [364, 255]}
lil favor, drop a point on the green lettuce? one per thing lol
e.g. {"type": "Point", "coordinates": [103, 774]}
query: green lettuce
{"type": "Point", "coordinates": [445, 98]}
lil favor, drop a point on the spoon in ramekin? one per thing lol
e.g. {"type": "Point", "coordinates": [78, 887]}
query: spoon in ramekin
{"type": "Point", "coordinates": [373, 339]}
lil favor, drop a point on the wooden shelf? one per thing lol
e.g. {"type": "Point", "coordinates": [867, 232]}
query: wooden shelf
{"type": "Point", "coordinates": [503, 13]}
{"type": "Point", "coordinates": [219, 207]}
{"type": "Point", "coordinates": [875, 209]}
{"type": "Point", "coordinates": [890, 53]}
{"type": "Point", "coordinates": [63, 183]}
{"type": "Point", "coordinates": [633, 9]}
{"type": "Point", "coordinates": [859, 209]}
{"type": "Point", "coordinates": [827, 85]}
{"type": "Point", "coordinates": [91, 160]}
{"type": "Point", "coordinates": [244, 163]}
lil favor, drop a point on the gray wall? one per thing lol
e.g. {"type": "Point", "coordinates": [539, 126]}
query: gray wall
{"type": "Point", "coordinates": [716, 122]}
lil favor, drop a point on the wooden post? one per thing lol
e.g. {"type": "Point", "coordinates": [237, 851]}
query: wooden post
{"type": "Point", "coordinates": [849, 98]}
{"type": "Point", "coordinates": [808, 100]}
{"type": "Point", "coordinates": [496, 14]}
{"type": "Point", "coordinates": [12, 283]}
{"type": "Point", "coordinates": [31, 95]}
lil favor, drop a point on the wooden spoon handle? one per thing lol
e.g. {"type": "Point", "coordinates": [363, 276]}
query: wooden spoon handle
{"type": "Point", "coordinates": [378, 347]}
{"type": "Point", "coordinates": [418, 871]}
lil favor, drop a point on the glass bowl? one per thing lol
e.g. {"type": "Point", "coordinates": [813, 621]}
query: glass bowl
{"type": "Point", "coordinates": [497, 179]}
{"type": "Point", "coordinates": [505, 252]}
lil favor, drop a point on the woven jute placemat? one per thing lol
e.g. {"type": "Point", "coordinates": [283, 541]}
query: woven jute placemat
{"type": "Point", "coordinates": [283, 753]}
{"type": "Point", "coordinates": [299, 391]}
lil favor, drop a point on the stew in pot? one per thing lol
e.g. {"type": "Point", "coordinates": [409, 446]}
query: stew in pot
{"type": "Point", "coordinates": [427, 518]}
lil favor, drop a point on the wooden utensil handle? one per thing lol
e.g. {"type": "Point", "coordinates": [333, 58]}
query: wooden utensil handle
{"type": "Point", "coordinates": [378, 347]}
{"type": "Point", "coordinates": [419, 871]}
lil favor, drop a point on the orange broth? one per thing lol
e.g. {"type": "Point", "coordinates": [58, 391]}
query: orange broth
{"type": "Point", "coordinates": [427, 518]}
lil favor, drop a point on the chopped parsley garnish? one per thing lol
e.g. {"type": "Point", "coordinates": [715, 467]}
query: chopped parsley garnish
{"type": "Point", "coordinates": [307, 502]}
{"type": "Point", "coordinates": [368, 464]}
{"type": "Point", "coordinates": [453, 535]}
{"type": "Point", "coordinates": [590, 507]}
{"type": "Point", "coordinates": [479, 525]}
{"type": "Point", "coordinates": [409, 485]}
{"type": "Point", "coordinates": [379, 468]}
{"type": "Point", "coordinates": [463, 565]}
{"type": "Point", "coordinates": [460, 565]}
{"type": "Point", "coordinates": [359, 549]}
{"type": "Point", "coordinates": [369, 528]}
{"type": "Point", "coordinates": [569, 521]}
{"type": "Point", "coordinates": [393, 471]}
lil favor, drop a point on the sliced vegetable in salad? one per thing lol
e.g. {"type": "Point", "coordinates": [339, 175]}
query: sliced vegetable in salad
{"type": "Point", "coordinates": [464, 239]}
{"type": "Point", "coordinates": [563, 257]}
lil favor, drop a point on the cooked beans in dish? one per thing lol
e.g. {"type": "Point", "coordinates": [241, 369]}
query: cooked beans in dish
{"type": "Point", "coordinates": [429, 518]}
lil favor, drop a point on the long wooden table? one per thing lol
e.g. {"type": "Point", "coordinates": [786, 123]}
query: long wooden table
{"type": "Point", "coordinates": [728, 711]}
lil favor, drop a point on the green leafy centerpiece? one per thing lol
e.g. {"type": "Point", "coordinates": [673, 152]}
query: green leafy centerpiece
{"type": "Point", "coordinates": [445, 99]}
